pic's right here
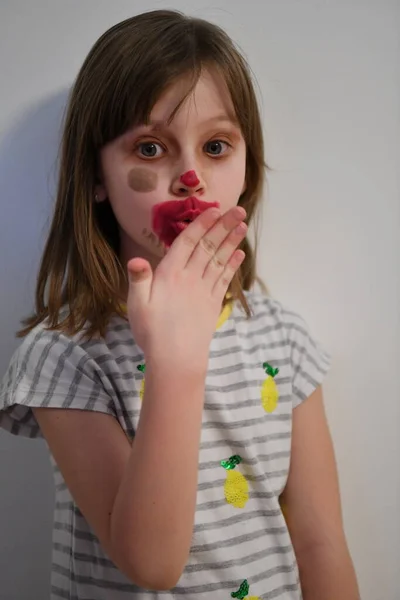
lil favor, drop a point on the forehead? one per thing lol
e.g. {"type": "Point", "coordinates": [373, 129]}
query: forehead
{"type": "Point", "coordinates": [209, 98]}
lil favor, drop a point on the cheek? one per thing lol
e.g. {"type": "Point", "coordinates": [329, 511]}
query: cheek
{"type": "Point", "coordinates": [142, 180]}
{"type": "Point", "coordinates": [231, 177]}
{"type": "Point", "coordinates": [240, 172]}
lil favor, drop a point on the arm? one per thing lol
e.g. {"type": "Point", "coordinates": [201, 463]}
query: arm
{"type": "Point", "coordinates": [139, 500]}
{"type": "Point", "coordinates": [313, 511]}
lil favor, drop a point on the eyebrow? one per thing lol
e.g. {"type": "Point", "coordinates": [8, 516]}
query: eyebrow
{"type": "Point", "coordinates": [157, 125]}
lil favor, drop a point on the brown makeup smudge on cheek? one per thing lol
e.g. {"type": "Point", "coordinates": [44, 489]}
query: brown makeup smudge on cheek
{"type": "Point", "coordinates": [142, 180]}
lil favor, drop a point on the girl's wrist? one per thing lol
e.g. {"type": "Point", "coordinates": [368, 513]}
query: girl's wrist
{"type": "Point", "coordinates": [167, 369]}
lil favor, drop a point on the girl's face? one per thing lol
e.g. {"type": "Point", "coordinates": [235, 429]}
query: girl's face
{"type": "Point", "coordinates": [143, 167]}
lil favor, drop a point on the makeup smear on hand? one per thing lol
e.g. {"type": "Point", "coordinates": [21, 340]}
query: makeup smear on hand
{"type": "Point", "coordinates": [142, 180]}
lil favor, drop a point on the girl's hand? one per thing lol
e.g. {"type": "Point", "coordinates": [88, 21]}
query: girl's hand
{"type": "Point", "coordinates": [173, 312]}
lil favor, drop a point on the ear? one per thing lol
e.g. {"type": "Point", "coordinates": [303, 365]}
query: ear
{"type": "Point", "coordinates": [100, 193]}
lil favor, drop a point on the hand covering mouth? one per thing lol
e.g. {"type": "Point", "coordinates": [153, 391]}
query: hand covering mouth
{"type": "Point", "coordinates": [170, 218]}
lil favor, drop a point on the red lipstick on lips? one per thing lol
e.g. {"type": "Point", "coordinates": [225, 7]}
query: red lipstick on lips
{"type": "Point", "coordinates": [190, 179]}
{"type": "Point", "coordinates": [171, 217]}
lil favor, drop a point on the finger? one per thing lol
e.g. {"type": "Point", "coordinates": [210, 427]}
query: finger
{"type": "Point", "coordinates": [218, 262]}
{"type": "Point", "coordinates": [140, 280]}
{"type": "Point", "coordinates": [222, 284]}
{"type": "Point", "coordinates": [210, 243]}
{"type": "Point", "coordinates": [183, 246]}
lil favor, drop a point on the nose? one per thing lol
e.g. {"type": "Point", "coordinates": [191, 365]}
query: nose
{"type": "Point", "coordinates": [187, 183]}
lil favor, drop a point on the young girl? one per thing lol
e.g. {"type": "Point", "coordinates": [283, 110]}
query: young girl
{"type": "Point", "coordinates": [182, 409]}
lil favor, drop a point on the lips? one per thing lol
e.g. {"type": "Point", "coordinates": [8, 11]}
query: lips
{"type": "Point", "coordinates": [170, 218]}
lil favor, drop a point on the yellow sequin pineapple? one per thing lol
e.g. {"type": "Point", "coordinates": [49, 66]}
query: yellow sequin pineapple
{"type": "Point", "coordinates": [236, 487]}
{"type": "Point", "coordinates": [242, 592]}
{"type": "Point", "coordinates": [269, 390]}
{"type": "Point", "coordinates": [141, 368]}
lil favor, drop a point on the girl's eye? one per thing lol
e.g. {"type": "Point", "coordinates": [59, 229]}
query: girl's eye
{"type": "Point", "coordinates": [149, 149]}
{"type": "Point", "coordinates": [215, 148]}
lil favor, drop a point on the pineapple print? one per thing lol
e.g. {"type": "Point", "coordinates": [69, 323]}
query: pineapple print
{"type": "Point", "coordinates": [269, 391]}
{"type": "Point", "coordinates": [141, 368]}
{"type": "Point", "coordinates": [236, 487]}
{"type": "Point", "coordinates": [242, 592]}
{"type": "Point", "coordinates": [225, 314]}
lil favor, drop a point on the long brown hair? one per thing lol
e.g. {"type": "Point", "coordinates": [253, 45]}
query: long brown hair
{"type": "Point", "coordinates": [123, 76]}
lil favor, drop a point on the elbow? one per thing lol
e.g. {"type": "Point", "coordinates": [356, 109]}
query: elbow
{"type": "Point", "coordinates": [153, 578]}
{"type": "Point", "coordinates": [149, 564]}
{"type": "Point", "coordinates": [154, 574]}
{"type": "Point", "coordinates": [157, 582]}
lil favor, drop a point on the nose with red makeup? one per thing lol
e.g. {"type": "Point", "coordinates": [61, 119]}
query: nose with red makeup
{"type": "Point", "coordinates": [190, 179]}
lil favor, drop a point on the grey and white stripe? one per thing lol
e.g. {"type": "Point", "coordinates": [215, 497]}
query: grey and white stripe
{"type": "Point", "coordinates": [229, 544]}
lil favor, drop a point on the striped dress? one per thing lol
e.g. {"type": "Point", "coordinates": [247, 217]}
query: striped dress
{"type": "Point", "coordinates": [259, 370]}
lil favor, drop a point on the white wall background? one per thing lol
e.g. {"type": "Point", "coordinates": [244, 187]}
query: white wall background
{"type": "Point", "coordinates": [329, 78]}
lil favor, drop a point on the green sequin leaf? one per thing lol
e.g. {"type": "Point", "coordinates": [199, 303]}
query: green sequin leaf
{"type": "Point", "coordinates": [141, 368]}
{"type": "Point", "coordinates": [270, 370]}
{"type": "Point", "coordinates": [242, 591]}
{"type": "Point", "coordinates": [231, 463]}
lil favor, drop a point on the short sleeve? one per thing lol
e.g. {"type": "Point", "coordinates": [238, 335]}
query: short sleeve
{"type": "Point", "coordinates": [50, 370]}
{"type": "Point", "coordinates": [309, 361]}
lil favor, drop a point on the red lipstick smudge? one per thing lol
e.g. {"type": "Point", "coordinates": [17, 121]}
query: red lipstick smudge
{"type": "Point", "coordinates": [190, 179]}
{"type": "Point", "coordinates": [171, 217]}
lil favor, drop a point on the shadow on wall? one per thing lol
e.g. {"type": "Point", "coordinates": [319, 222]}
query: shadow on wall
{"type": "Point", "coordinates": [28, 170]}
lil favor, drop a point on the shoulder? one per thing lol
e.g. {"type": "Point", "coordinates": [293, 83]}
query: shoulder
{"type": "Point", "coordinates": [43, 345]}
{"type": "Point", "coordinates": [50, 369]}
{"type": "Point", "coordinates": [49, 349]}
{"type": "Point", "coordinates": [271, 310]}
{"type": "Point", "coordinates": [303, 357]}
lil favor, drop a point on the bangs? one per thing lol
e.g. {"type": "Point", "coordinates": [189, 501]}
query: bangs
{"type": "Point", "coordinates": [144, 66]}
